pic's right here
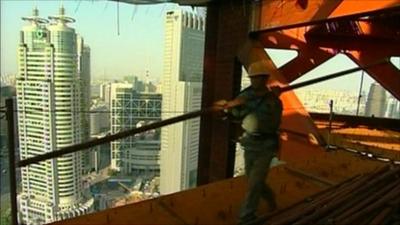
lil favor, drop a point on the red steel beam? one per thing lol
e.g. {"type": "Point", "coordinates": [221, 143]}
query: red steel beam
{"type": "Point", "coordinates": [278, 15]}
{"type": "Point", "coordinates": [364, 42]}
{"type": "Point", "coordinates": [309, 55]}
{"type": "Point", "coordinates": [386, 74]}
{"type": "Point", "coordinates": [356, 35]}
{"type": "Point", "coordinates": [227, 27]}
{"type": "Point", "coordinates": [370, 28]}
{"type": "Point", "coordinates": [378, 40]}
{"type": "Point", "coordinates": [228, 32]}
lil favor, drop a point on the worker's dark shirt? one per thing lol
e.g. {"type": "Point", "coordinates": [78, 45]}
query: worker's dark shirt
{"type": "Point", "coordinates": [261, 118]}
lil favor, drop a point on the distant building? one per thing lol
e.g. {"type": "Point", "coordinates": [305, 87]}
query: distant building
{"type": "Point", "coordinates": [151, 87]}
{"type": "Point", "coordinates": [393, 108]}
{"type": "Point", "coordinates": [99, 119]}
{"type": "Point", "coordinates": [376, 102]}
{"type": "Point", "coordinates": [105, 93]}
{"type": "Point", "coordinates": [137, 84]}
{"type": "Point", "coordinates": [130, 79]}
{"type": "Point", "coordinates": [159, 88]}
{"type": "Point", "coordinates": [181, 91]}
{"type": "Point", "coordinates": [137, 154]}
{"type": "Point", "coordinates": [7, 80]}
{"type": "Point", "coordinates": [95, 90]}
{"type": "Point", "coordinates": [6, 92]}
{"type": "Point", "coordinates": [99, 156]}
{"type": "Point", "coordinates": [317, 100]}
{"type": "Point", "coordinates": [85, 98]}
{"type": "Point", "coordinates": [51, 93]}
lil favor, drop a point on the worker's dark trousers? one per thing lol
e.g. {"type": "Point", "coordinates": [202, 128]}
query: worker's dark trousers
{"type": "Point", "coordinates": [257, 165]}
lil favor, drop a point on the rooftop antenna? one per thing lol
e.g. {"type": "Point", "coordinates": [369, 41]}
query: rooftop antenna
{"type": "Point", "coordinates": [147, 9]}
{"type": "Point", "coordinates": [162, 10]}
{"type": "Point", "coordinates": [147, 83]}
{"type": "Point", "coordinates": [118, 17]}
{"type": "Point", "coordinates": [133, 12]}
{"type": "Point", "coordinates": [105, 6]}
{"type": "Point", "coordinates": [35, 19]}
{"type": "Point", "coordinates": [61, 17]}
{"type": "Point", "coordinates": [35, 11]}
{"type": "Point", "coordinates": [77, 7]}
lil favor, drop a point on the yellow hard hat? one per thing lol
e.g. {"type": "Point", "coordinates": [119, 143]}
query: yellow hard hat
{"type": "Point", "coordinates": [258, 68]}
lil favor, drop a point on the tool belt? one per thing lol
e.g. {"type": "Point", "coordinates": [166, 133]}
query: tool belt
{"type": "Point", "coordinates": [260, 141]}
{"type": "Point", "coordinates": [262, 136]}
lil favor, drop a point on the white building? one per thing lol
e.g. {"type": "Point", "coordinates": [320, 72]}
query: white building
{"type": "Point", "coordinates": [377, 101]}
{"type": "Point", "coordinates": [105, 93]}
{"type": "Point", "coordinates": [99, 156]}
{"type": "Point", "coordinates": [181, 91]}
{"type": "Point", "coordinates": [393, 108]}
{"type": "Point", "coordinates": [84, 73]}
{"type": "Point", "coordinates": [99, 119]}
{"type": "Point", "coordinates": [137, 154]}
{"type": "Point", "coordinates": [50, 92]}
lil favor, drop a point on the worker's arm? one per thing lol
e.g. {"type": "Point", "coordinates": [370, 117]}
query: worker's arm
{"type": "Point", "coordinates": [232, 106]}
{"type": "Point", "coordinates": [276, 90]}
{"type": "Point", "coordinates": [224, 104]}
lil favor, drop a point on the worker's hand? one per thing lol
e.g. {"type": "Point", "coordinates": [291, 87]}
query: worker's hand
{"type": "Point", "coordinates": [219, 108]}
{"type": "Point", "coordinates": [276, 90]}
{"type": "Point", "coordinates": [220, 105]}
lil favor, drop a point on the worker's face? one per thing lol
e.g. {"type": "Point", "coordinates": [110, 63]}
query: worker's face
{"type": "Point", "coordinates": [258, 82]}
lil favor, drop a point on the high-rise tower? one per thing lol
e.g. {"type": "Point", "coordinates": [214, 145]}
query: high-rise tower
{"type": "Point", "coordinates": [376, 102]}
{"type": "Point", "coordinates": [50, 96]}
{"type": "Point", "coordinates": [393, 108]}
{"type": "Point", "coordinates": [181, 91]}
{"type": "Point", "coordinates": [83, 64]}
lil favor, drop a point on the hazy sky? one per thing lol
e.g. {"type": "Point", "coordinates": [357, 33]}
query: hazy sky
{"type": "Point", "coordinates": [340, 62]}
{"type": "Point", "coordinates": [138, 47]}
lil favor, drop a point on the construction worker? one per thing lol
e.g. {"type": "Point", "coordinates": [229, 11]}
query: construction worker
{"type": "Point", "coordinates": [260, 111]}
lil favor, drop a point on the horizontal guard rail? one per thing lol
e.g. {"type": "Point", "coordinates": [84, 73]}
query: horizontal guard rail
{"type": "Point", "coordinates": [190, 115]}
{"type": "Point", "coordinates": [112, 137]}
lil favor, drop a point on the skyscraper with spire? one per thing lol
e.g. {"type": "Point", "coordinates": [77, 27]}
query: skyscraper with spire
{"type": "Point", "coordinates": [51, 92]}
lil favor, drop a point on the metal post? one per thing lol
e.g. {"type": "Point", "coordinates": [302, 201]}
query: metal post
{"type": "Point", "coordinates": [330, 123]}
{"type": "Point", "coordinates": [11, 160]}
{"type": "Point", "coordinates": [359, 93]}
{"type": "Point", "coordinates": [96, 158]}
